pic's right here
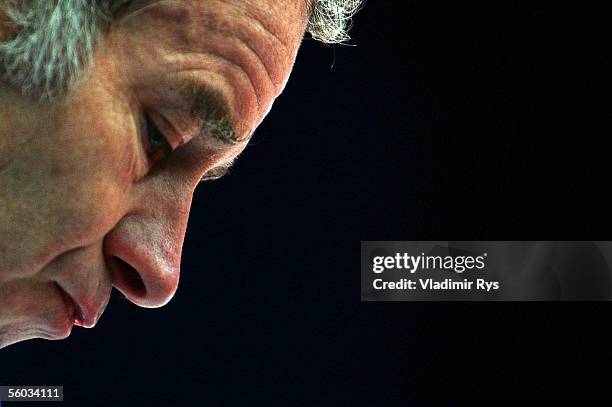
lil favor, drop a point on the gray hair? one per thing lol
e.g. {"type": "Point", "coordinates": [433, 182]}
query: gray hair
{"type": "Point", "coordinates": [330, 20]}
{"type": "Point", "coordinates": [52, 40]}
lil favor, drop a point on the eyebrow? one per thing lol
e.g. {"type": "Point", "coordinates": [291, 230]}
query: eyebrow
{"type": "Point", "coordinates": [209, 107]}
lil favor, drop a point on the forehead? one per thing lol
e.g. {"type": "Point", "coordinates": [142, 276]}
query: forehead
{"type": "Point", "coordinates": [245, 47]}
{"type": "Point", "coordinates": [277, 14]}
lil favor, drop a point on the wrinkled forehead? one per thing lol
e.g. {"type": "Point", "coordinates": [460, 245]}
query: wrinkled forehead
{"type": "Point", "coordinates": [243, 48]}
{"type": "Point", "coordinates": [277, 14]}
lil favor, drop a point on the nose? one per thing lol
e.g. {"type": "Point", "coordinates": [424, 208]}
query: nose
{"type": "Point", "coordinates": [143, 251]}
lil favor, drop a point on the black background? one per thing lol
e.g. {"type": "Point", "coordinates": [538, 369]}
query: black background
{"type": "Point", "coordinates": [447, 121]}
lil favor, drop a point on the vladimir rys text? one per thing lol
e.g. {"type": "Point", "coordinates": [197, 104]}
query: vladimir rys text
{"type": "Point", "coordinates": [412, 264]}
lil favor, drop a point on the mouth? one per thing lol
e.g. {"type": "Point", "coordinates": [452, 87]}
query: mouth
{"type": "Point", "coordinates": [74, 312]}
{"type": "Point", "coordinates": [79, 314]}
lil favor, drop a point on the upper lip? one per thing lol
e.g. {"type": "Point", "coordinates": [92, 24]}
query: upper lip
{"type": "Point", "coordinates": [86, 311]}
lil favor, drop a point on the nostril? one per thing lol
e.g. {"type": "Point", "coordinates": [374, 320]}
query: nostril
{"type": "Point", "coordinates": [127, 278]}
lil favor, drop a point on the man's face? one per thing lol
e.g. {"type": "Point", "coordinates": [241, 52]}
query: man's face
{"type": "Point", "coordinates": [90, 198]}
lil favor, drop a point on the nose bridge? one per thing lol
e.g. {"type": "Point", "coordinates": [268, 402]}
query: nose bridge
{"type": "Point", "coordinates": [144, 249]}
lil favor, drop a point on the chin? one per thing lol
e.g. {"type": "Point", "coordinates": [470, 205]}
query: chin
{"type": "Point", "coordinates": [57, 330]}
{"type": "Point", "coordinates": [28, 320]}
{"type": "Point", "coordinates": [61, 328]}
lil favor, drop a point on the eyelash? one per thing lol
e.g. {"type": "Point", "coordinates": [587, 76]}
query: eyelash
{"type": "Point", "coordinates": [159, 149]}
{"type": "Point", "coordinates": [157, 146]}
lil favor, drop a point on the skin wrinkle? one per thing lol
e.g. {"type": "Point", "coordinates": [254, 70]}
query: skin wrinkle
{"type": "Point", "coordinates": [229, 36]}
{"type": "Point", "coordinates": [265, 69]}
{"type": "Point", "coordinates": [222, 63]}
{"type": "Point", "coordinates": [247, 32]}
{"type": "Point", "coordinates": [264, 28]}
{"type": "Point", "coordinates": [269, 61]}
{"type": "Point", "coordinates": [183, 36]}
{"type": "Point", "coordinates": [231, 96]}
{"type": "Point", "coordinates": [237, 69]}
{"type": "Point", "coordinates": [139, 6]}
{"type": "Point", "coordinates": [257, 97]}
{"type": "Point", "coordinates": [259, 18]}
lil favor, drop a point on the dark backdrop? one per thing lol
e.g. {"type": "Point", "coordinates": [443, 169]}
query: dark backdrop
{"type": "Point", "coordinates": [446, 121]}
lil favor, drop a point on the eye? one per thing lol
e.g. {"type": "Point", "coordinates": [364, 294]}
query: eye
{"type": "Point", "coordinates": [157, 146]}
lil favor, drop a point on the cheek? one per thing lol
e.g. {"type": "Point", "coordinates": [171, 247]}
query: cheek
{"type": "Point", "coordinates": [92, 209]}
{"type": "Point", "coordinates": [103, 196]}
{"type": "Point", "coordinates": [74, 180]}
{"type": "Point", "coordinates": [92, 177]}
{"type": "Point", "coordinates": [61, 193]}
{"type": "Point", "coordinates": [98, 157]}
{"type": "Point", "coordinates": [36, 310]}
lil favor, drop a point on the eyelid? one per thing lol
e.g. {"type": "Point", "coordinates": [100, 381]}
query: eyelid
{"type": "Point", "coordinates": [174, 138]}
